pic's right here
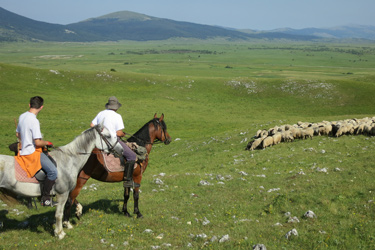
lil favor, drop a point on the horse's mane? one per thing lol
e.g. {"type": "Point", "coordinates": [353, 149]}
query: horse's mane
{"type": "Point", "coordinates": [81, 143]}
{"type": "Point", "coordinates": [142, 136]}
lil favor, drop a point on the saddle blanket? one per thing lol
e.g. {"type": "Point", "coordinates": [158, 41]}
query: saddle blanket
{"type": "Point", "coordinates": [111, 163]}
{"type": "Point", "coordinates": [21, 174]}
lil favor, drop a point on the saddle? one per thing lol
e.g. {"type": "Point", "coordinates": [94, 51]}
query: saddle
{"type": "Point", "coordinates": [113, 164]}
{"type": "Point", "coordinates": [109, 161]}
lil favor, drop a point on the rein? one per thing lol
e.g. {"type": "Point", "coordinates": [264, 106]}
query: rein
{"type": "Point", "coordinates": [109, 145]}
{"type": "Point", "coordinates": [157, 141]}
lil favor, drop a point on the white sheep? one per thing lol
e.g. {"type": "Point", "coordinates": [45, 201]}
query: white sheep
{"type": "Point", "coordinates": [287, 136]}
{"type": "Point", "coordinates": [304, 130]}
{"type": "Point", "coordinates": [268, 141]}
{"type": "Point", "coordinates": [296, 132]}
{"type": "Point", "coordinates": [341, 130]}
{"type": "Point", "coordinates": [256, 143]}
{"type": "Point", "coordinates": [307, 133]}
{"type": "Point", "coordinates": [276, 138]}
{"type": "Point", "coordinates": [360, 128]}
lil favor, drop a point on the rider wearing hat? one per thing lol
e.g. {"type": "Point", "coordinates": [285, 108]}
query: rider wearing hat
{"type": "Point", "coordinates": [114, 123]}
{"type": "Point", "coordinates": [30, 156]}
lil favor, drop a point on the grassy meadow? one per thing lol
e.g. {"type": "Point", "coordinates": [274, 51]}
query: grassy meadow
{"type": "Point", "coordinates": [215, 95]}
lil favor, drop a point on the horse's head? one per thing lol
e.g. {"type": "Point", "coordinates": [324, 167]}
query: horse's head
{"type": "Point", "coordinates": [105, 141]}
{"type": "Point", "coordinates": [160, 130]}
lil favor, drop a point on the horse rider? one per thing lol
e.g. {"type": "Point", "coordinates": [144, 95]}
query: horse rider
{"type": "Point", "coordinates": [30, 156]}
{"type": "Point", "coordinates": [114, 123]}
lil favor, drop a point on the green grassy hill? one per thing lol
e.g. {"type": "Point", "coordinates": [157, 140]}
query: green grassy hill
{"type": "Point", "coordinates": [215, 96]}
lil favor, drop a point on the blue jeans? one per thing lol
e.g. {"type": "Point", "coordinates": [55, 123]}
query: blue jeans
{"type": "Point", "coordinates": [48, 167]}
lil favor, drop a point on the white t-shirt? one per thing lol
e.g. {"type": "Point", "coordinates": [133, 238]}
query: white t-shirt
{"type": "Point", "coordinates": [112, 121]}
{"type": "Point", "coordinates": [29, 130]}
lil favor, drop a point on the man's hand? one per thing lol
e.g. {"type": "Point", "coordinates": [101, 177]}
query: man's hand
{"type": "Point", "coordinates": [120, 133]}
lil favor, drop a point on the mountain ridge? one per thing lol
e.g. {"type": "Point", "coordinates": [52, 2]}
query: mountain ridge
{"type": "Point", "coordinates": [127, 25]}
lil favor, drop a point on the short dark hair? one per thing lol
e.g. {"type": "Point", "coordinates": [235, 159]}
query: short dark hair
{"type": "Point", "coordinates": [36, 102]}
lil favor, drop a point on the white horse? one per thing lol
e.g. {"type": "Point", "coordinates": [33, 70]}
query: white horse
{"type": "Point", "coordinates": [70, 160]}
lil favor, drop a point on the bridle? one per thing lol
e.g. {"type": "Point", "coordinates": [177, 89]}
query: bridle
{"type": "Point", "coordinates": [111, 148]}
{"type": "Point", "coordinates": [157, 140]}
{"type": "Point", "coordinates": [163, 130]}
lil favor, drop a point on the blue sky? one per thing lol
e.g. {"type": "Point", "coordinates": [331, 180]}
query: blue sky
{"type": "Point", "coordinates": [242, 14]}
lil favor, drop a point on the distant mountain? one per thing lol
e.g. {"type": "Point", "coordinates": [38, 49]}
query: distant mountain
{"type": "Point", "coordinates": [126, 25]}
{"type": "Point", "coordinates": [349, 31]}
{"type": "Point", "coordinates": [122, 25]}
{"type": "Point", "coordinates": [16, 27]}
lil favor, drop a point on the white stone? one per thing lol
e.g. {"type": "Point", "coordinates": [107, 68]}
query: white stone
{"type": "Point", "coordinates": [205, 221]}
{"type": "Point", "coordinates": [243, 173]}
{"type": "Point", "coordinates": [203, 236]}
{"type": "Point", "coordinates": [204, 183]}
{"type": "Point", "coordinates": [158, 181]}
{"type": "Point", "coordinates": [310, 214]}
{"type": "Point", "coordinates": [259, 247]}
{"type": "Point", "coordinates": [160, 236]}
{"type": "Point", "coordinates": [293, 220]}
{"type": "Point", "coordinates": [291, 233]}
{"type": "Point", "coordinates": [224, 238]}
{"type": "Point", "coordinates": [273, 189]}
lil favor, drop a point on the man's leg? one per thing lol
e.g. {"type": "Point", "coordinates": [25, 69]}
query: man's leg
{"type": "Point", "coordinates": [49, 168]}
{"type": "Point", "coordinates": [130, 157]}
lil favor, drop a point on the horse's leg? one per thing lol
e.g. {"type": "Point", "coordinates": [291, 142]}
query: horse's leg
{"type": "Point", "coordinates": [136, 199]}
{"type": "Point", "coordinates": [61, 199]}
{"type": "Point", "coordinates": [82, 179]}
{"type": "Point", "coordinates": [67, 208]}
{"type": "Point", "coordinates": [126, 198]}
{"type": "Point", "coordinates": [137, 177]}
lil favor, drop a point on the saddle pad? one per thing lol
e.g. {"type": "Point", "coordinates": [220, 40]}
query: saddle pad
{"type": "Point", "coordinates": [21, 174]}
{"type": "Point", "coordinates": [111, 163]}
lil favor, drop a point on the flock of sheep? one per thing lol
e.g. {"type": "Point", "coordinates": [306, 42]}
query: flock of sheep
{"type": "Point", "coordinates": [304, 130]}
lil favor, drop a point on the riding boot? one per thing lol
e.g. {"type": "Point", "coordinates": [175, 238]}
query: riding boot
{"type": "Point", "coordinates": [46, 193]}
{"type": "Point", "coordinates": [128, 173]}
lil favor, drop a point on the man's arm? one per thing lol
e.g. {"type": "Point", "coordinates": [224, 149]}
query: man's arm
{"type": "Point", "coordinates": [42, 143]}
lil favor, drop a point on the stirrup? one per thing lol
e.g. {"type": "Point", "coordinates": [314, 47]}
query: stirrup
{"type": "Point", "coordinates": [49, 203]}
{"type": "Point", "coordinates": [128, 183]}
{"type": "Point", "coordinates": [131, 184]}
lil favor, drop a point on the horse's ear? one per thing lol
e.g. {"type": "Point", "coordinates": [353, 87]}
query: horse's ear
{"type": "Point", "coordinates": [161, 117]}
{"type": "Point", "coordinates": [155, 116]}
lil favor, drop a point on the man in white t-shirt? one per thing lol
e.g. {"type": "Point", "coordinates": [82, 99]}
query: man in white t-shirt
{"type": "Point", "coordinates": [114, 123]}
{"type": "Point", "coordinates": [30, 156]}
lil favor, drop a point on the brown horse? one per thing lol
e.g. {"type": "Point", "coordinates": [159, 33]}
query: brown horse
{"type": "Point", "coordinates": [155, 129]}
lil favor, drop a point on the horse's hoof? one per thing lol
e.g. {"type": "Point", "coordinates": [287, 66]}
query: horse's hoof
{"type": "Point", "coordinates": [127, 214]}
{"type": "Point", "coordinates": [79, 211]}
{"type": "Point", "coordinates": [139, 216]}
{"type": "Point", "coordinates": [61, 234]}
{"type": "Point", "coordinates": [67, 225]}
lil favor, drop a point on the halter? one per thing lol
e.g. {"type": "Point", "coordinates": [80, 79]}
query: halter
{"type": "Point", "coordinates": [109, 145]}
